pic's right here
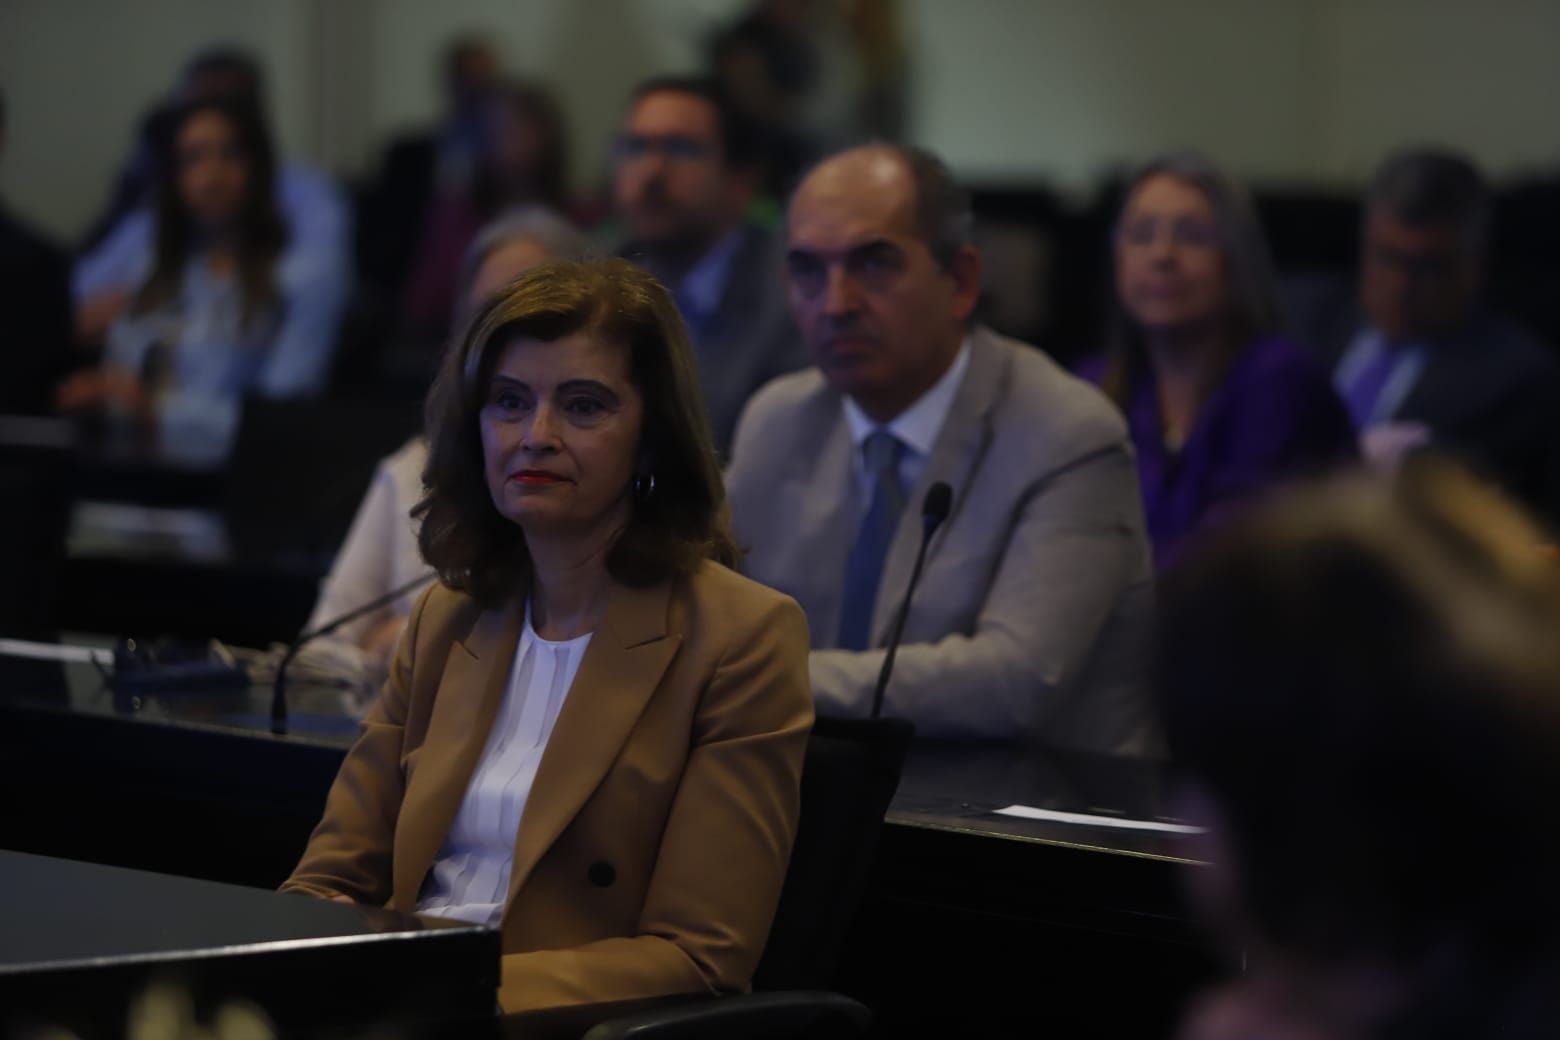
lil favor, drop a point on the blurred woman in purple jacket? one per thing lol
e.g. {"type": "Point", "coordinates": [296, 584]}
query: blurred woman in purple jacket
{"type": "Point", "coordinates": [1220, 406]}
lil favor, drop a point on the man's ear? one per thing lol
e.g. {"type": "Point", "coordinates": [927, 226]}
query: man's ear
{"type": "Point", "coordinates": [965, 271]}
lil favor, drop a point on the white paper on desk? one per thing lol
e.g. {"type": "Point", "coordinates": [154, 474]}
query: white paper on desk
{"type": "Point", "coordinates": [55, 652]}
{"type": "Point", "coordinates": [1028, 812]}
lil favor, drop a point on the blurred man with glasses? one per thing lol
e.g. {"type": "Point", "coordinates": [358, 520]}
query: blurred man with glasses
{"type": "Point", "coordinates": [687, 176]}
{"type": "Point", "coordinates": [1419, 359]}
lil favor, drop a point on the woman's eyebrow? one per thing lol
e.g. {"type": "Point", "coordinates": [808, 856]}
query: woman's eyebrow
{"type": "Point", "coordinates": [499, 379]}
{"type": "Point", "coordinates": [592, 385]}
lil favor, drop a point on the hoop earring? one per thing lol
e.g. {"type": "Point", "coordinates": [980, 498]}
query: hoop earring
{"type": "Point", "coordinates": [644, 486]}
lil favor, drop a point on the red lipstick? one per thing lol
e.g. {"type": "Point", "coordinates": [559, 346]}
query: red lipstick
{"type": "Point", "coordinates": [536, 477]}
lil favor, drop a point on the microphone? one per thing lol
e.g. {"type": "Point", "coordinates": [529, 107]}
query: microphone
{"type": "Point", "coordinates": [934, 510]}
{"type": "Point", "coordinates": [279, 688]}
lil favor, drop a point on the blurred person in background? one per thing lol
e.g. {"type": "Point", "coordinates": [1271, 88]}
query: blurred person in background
{"type": "Point", "coordinates": [687, 174]}
{"type": "Point", "coordinates": [521, 160]}
{"type": "Point", "coordinates": [228, 301]}
{"type": "Point", "coordinates": [380, 553]}
{"type": "Point", "coordinates": [106, 274]}
{"type": "Point", "coordinates": [35, 312]}
{"type": "Point", "coordinates": [419, 167]}
{"type": "Point", "coordinates": [1221, 407]}
{"type": "Point", "coordinates": [1420, 360]}
{"type": "Point", "coordinates": [814, 76]}
{"type": "Point", "coordinates": [1361, 688]}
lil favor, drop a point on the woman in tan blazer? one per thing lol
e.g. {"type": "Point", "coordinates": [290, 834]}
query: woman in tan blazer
{"type": "Point", "coordinates": [593, 729]}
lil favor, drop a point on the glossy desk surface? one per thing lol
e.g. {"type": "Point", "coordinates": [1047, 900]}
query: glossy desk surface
{"type": "Point", "coordinates": [81, 943]}
{"type": "Point", "coordinates": [60, 913]}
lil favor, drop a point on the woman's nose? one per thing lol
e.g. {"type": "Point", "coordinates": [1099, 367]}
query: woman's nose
{"type": "Point", "coordinates": [541, 433]}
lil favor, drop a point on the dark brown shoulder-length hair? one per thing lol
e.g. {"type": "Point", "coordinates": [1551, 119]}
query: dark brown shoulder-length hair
{"type": "Point", "coordinates": [261, 232]}
{"type": "Point", "coordinates": [1253, 309]}
{"type": "Point", "coordinates": [676, 525]}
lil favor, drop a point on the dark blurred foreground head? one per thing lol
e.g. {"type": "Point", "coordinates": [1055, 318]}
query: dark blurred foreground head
{"type": "Point", "coordinates": [1362, 685]}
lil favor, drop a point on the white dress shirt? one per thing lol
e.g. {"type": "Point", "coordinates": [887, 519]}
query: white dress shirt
{"type": "Point", "coordinates": [470, 876]}
{"type": "Point", "coordinates": [916, 427]}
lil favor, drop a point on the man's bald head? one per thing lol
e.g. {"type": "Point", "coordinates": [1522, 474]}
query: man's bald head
{"type": "Point", "coordinates": [940, 209]}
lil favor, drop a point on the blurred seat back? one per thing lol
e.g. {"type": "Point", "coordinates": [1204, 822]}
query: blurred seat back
{"type": "Point", "coordinates": [37, 481]}
{"type": "Point", "coordinates": [299, 469]}
{"type": "Point", "coordinates": [851, 773]}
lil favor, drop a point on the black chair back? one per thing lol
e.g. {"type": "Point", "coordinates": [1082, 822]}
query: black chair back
{"type": "Point", "coordinates": [851, 772]}
{"type": "Point", "coordinates": [299, 470]}
{"type": "Point", "coordinates": [37, 467]}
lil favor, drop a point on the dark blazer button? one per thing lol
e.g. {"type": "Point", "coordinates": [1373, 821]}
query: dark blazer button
{"type": "Point", "coordinates": [602, 874]}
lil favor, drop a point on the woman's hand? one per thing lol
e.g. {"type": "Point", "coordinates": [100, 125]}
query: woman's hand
{"type": "Point", "coordinates": [107, 388]}
{"type": "Point", "coordinates": [97, 313]}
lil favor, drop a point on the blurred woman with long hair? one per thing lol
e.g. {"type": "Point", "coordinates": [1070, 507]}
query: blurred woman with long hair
{"type": "Point", "coordinates": [231, 300]}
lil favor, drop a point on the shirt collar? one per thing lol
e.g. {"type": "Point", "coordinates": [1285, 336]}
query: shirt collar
{"type": "Point", "coordinates": [705, 283]}
{"type": "Point", "coordinates": [916, 427]}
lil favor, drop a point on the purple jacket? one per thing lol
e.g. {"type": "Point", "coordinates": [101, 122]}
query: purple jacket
{"type": "Point", "coordinates": [1275, 416]}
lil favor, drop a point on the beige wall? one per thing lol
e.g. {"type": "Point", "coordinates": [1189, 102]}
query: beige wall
{"type": "Point", "coordinates": [1484, 76]}
{"type": "Point", "coordinates": [1070, 87]}
{"type": "Point", "coordinates": [1294, 90]}
{"type": "Point", "coordinates": [78, 74]}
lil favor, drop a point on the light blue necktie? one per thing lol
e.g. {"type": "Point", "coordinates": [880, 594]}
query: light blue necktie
{"type": "Point", "coordinates": [1363, 393]}
{"type": "Point", "coordinates": [882, 452]}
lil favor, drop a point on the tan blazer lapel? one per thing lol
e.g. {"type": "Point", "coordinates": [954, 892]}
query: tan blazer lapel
{"type": "Point", "coordinates": [622, 668]}
{"type": "Point", "coordinates": [470, 691]}
{"type": "Point", "coordinates": [956, 455]}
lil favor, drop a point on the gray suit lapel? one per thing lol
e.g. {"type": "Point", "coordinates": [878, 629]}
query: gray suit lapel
{"type": "Point", "coordinates": [827, 519]}
{"type": "Point", "coordinates": [957, 452]}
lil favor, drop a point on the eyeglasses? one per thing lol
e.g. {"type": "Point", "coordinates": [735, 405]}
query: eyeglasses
{"type": "Point", "coordinates": [671, 147]}
{"type": "Point", "coordinates": [1184, 232]}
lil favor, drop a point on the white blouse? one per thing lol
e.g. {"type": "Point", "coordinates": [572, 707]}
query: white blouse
{"type": "Point", "coordinates": [470, 876]}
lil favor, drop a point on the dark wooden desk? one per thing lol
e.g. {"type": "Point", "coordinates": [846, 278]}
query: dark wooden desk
{"type": "Point", "coordinates": [79, 942]}
{"type": "Point", "coordinates": [983, 925]}
{"type": "Point", "coordinates": [969, 915]}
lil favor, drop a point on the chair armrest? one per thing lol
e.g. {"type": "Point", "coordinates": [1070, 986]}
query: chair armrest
{"type": "Point", "coordinates": [760, 1016]}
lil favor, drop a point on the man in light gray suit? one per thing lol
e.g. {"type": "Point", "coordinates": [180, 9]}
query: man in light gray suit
{"type": "Point", "coordinates": [1031, 620]}
{"type": "Point", "coordinates": [687, 173]}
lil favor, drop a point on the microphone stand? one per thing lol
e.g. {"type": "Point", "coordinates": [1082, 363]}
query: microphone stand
{"type": "Point", "coordinates": [279, 687]}
{"type": "Point", "coordinates": [934, 510]}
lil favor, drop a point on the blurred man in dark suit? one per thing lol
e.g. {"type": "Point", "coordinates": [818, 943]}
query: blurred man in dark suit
{"type": "Point", "coordinates": [35, 314]}
{"type": "Point", "coordinates": [687, 174]}
{"type": "Point", "coordinates": [1420, 361]}
{"type": "Point", "coordinates": [417, 165]}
